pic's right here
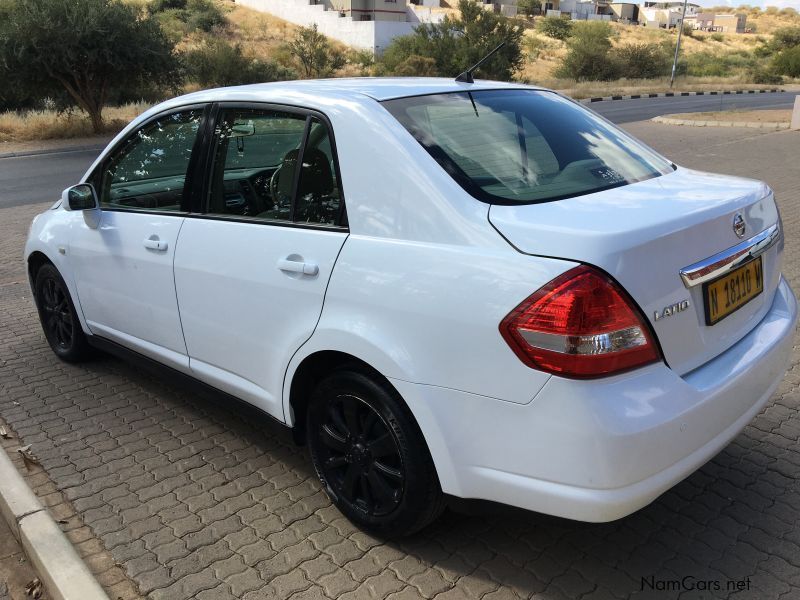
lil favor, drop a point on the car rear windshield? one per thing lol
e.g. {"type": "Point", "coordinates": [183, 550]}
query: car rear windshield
{"type": "Point", "coordinates": [524, 146]}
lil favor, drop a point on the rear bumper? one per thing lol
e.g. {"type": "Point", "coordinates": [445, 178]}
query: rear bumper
{"type": "Point", "coordinates": [600, 450]}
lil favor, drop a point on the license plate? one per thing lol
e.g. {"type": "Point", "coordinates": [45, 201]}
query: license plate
{"type": "Point", "coordinates": [731, 292]}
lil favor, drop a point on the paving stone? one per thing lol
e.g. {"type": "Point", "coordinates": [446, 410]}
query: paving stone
{"type": "Point", "coordinates": [246, 581]}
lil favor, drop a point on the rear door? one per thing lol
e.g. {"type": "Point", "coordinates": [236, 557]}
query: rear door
{"type": "Point", "coordinates": [252, 268]}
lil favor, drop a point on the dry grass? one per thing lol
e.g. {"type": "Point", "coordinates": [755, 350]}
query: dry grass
{"type": "Point", "coordinates": [51, 124]}
{"type": "Point", "coordinates": [263, 35]}
{"type": "Point", "coordinates": [739, 116]}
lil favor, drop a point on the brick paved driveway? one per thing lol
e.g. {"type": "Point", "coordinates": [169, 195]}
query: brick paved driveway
{"type": "Point", "coordinates": [193, 499]}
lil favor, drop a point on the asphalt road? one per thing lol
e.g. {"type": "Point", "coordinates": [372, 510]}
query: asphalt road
{"type": "Point", "coordinates": [41, 177]}
{"type": "Point", "coordinates": [626, 111]}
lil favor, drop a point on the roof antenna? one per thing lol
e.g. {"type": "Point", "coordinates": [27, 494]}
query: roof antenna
{"type": "Point", "coordinates": [466, 76]}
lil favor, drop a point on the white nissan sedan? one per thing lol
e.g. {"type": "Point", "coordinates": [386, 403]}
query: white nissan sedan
{"type": "Point", "coordinates": [480, 290]}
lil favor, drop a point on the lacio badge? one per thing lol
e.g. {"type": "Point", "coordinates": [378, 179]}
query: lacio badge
{"type": "Point", "coordinates": [670, 310]}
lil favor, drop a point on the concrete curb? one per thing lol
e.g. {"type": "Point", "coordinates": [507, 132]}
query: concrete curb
{"type": "Point", "coordinates": [63, 573]}
{"type": "Point", "coordinates": [678, 94]}
{"type": "Point", "coordinates": [63, 150]}
{"type": "Point", "coordinates": [695, 123]}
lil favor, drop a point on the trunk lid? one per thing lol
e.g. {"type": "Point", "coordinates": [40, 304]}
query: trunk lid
{"type": "Point", "coordinates": [643, 234]}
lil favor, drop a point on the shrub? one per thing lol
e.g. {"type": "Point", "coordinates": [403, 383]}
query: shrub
{"type": "Point", "coordinates": [788, 62]}
{"type": "Point", "coordinates": [558, 28]}
{"type": "Point", "coordinates": [314, 54]}
{"type": "Point", "coordinates": [457, 43]}
{"type": "Point", "coordinates": [711, 64]}
{"type": "Point", "coordinates": [179, 17]}
{"type": "Point", "coordinates": [589, 56]}
{"type": "Point", "coordinates": [717, 37]}
{"type": "Point", "coordinates": [217, 63]}
{"type": "Point", "coordinates": [765, 77]}
{"type": "Point", "coordinates": [642, 61]}
{"type": "Point", "coordinates": [363, 58]}
{"type": "Point", "coordinates": [688, 30]}
{"type": "Point", "coordinates": [416, 66]}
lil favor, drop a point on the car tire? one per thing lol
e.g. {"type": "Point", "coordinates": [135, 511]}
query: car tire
{"type": "Point", "coordinates": [370, 455]}
{"type": "Point", "coordinates": [58, 316]}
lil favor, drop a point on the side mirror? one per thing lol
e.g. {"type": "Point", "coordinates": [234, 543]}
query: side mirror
{"type": "Point", "coordinates": [81, 197]}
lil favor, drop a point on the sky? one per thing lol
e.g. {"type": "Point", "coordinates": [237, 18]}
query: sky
{"type": "Point", "coordinates": [760, 3]}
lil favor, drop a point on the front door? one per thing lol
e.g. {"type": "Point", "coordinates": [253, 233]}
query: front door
{"type": "Point", "coordinates": [252, 270]}
{"type": "Point", "coordinates": [123, 265]}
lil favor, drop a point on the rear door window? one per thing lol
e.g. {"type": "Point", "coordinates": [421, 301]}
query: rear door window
{"type": "Point", "coordinates": [272, 165]}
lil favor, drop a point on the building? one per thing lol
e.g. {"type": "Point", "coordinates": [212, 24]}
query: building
{"type": "Point", "coordinates": [665, 18]}
{"type": "Point", "coordinates": [366, 24]}
{"type": "Point", "coordinates": [677, 6]}
{"type": "Point", "coordinates": [598, 10]}
{"type": "Point", "coordinates": [507, 8]}
{"type": "Point", "coordinates": [730, 23]}
{"type": "Point", "coordinates": [368, 10]}
{"type": "Point", "coordinates": [624, 12]}
{"type": "Point", "coordinates": [726, 23]}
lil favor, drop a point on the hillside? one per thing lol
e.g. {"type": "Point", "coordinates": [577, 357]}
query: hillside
{"type": "Point", "coordinates": [263, 35]}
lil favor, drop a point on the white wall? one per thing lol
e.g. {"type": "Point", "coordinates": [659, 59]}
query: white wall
{"type": "Point", "coordinates": [368, 35]}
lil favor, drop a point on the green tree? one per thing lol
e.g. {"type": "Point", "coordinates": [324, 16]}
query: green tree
{"type": "Point", "coordinates": [529, 7]}
{"type": "Point", "coordinates": [788, 62]}
{"type": "Point", "coordinates": [589, 56]}
{"type": "Point", "coordinates": [785, 37]}
{"type": "Point", "coordinates": [314, 53]}
{"type": "Point", "coordinates": [558, 28]}
{"type": "Point", "coordinates": [87, 49]}
{"type": "Point", "coordinates": [458, 43]}
{"type": "Point", "coordinates": [217, 63]}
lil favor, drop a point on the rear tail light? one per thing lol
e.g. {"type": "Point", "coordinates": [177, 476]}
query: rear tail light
{"type": "Point", "coordinates": [580, 325]}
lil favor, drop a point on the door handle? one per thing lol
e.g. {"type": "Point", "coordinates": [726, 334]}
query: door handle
{"type": "Point", "coordinates": [297, 266]}
{"type": "Point", "coordinates": [153, 243]}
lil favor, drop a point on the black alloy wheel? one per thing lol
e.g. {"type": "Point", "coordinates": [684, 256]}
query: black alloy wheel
{"type": "Point", "coordinates": [57, 321]}
{"type": "Point", "coordinates": [58, 317]}
{"type": "Point", "coordinates": [360, 456]}
{"type": "Point", "coordinates": [370, 454]}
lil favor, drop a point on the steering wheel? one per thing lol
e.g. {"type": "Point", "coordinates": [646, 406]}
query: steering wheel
{"type": "Point", "coordinates": [273, 185]}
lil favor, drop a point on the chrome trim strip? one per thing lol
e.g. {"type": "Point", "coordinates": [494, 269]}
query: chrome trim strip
{"type": "Point", "coordinates": [586, 345]}
{"type": "Point", "coordinates": [727, 260]}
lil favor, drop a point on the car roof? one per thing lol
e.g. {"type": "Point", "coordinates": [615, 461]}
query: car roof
{"type": "Point", "coordinates": [378, 88]}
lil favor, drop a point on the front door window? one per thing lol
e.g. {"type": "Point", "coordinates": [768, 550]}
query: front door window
{"type": "Point", "coordinates": [149, 171]}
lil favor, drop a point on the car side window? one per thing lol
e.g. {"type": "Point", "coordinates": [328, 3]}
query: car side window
{"type": "Point", "coordinates": [254, 163]}
{"type": "Point", "coordinates": [149, 171]}
{"type": "Point", "coordinates": [319, 197]}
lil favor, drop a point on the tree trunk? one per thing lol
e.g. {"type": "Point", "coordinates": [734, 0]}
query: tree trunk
{"type": "Point", "coordinates": [96, 117]}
